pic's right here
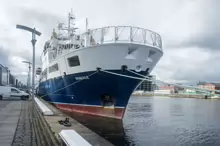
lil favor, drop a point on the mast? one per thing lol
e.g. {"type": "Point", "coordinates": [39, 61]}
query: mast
{"type": "Point", "coordinates": [86, 25]}
{"type": "Point", "coordinates": [69, 19]}
{"type": "Point", "coordinates": [71, 24]}
{"type": "Point", "coordinates": [87, 33]}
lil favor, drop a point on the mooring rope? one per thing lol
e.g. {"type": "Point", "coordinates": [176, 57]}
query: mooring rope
{"type": "Point", "coordinates": [142, 78]}
{"type": "Point", "coordinates": [156, 81]}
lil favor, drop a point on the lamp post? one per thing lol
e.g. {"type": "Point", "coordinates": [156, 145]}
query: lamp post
{"type": "Point", "coordinates": [29, 72]}
{"type": "Point", "coordinates": [33, 41]}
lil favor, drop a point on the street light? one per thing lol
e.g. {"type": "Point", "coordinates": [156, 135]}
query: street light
{"type": "Point", "coordinates": [33, 41]}
{"type": "Point", "coordinates": [29, 72]}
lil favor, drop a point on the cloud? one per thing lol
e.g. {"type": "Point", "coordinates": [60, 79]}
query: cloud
{"type": "Point", "coordinates": [188, 65]}
{"type": "Point", "coordinates": [14, 63]}
{"type": "Point", "coordinates": [4, 56]}
{"type": "Point", "coordinates": [45, 20]}
{"type": "Point", "coordinates": [191, 46]}
{"type": "Point", "coordinates": [208, 37]}
{"type": "Point", "coordinates": [196, 24]}
{"type": "Point", "coordinates": [205, 41]}
{"type": "Point", "coordinates": [189, 30]}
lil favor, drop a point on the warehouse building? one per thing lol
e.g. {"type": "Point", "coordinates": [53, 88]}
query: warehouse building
{"type": "Point", "coordinates": [211, 86]}
{"type": "Point", "coordinates": [6, 78]}
{"type": "Point", "coordinates": [3, 75]}
{"type": "Point", "coordinates": [148, 85]}
{"type": "Point", "coordinates": [12, 80]}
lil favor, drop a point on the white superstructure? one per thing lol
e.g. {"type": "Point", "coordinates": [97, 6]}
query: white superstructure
{"type": "Point", "coordinates": [108, 48]}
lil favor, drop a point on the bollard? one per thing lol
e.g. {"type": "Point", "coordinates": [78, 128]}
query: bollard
{"type": "Point", "coordinates": [72, 138]}
{"type": "Point", "coordinates": [44, 109]}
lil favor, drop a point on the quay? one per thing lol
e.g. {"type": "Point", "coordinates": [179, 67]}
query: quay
{"type": "Point", "coordinates": [23, 123]}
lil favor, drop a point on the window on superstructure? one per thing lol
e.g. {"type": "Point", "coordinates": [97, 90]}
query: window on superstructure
{"type": "Point", "coordinates": [73, 61]}
{"type": "Point", "coordinates": [53, 68]}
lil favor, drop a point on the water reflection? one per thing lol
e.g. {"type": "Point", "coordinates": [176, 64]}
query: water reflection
{"type": "Point", "coordinates": [176, 110]}
{"type": "Point", "coordinates": [110, 129]}
{"type": "Point", "coordinates": [161, 121]}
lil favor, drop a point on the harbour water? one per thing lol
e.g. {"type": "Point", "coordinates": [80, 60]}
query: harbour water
{"type": "Point", "coordinates": [163, 121]}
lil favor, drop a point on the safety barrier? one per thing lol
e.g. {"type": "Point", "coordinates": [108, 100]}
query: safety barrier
{"type": "Point", "coordinates": [44, 109]}
{"type": "Point", "coordinates": [72, 138]}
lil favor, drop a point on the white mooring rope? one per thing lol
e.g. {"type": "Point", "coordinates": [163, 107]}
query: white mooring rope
{"type": "Point", "coordinates": [156, 81]}
{"type": "Point", "coordinates": [145, 78]}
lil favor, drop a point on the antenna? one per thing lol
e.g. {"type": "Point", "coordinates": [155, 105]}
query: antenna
{"type": "Point", "coordinates": [71, 18]}
{"type": "Point", "coordinates": [69, 23]}
{"type": "Point", "coordinates": [86, 24]}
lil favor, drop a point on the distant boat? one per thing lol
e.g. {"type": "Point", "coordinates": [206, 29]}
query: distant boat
{"type": "Point", "coordinates": [73, 66]}
{"type": "Point", "coordinates": [215, 97]}
{"type": "Point", "coordinates": [138, 92]}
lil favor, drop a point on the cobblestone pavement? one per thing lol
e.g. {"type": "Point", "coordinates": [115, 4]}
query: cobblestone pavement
{"type": "Point", "coordinates": [25, 133]}
{"type": "Point", "coordinates": [9, 115]}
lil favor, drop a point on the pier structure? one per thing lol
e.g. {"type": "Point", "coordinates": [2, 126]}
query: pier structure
{"type": "Point", "coordinates": [29, 123]}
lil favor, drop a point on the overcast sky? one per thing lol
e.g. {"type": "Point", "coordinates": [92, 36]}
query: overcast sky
{"type": "Point", "coordinates": [189, 28]}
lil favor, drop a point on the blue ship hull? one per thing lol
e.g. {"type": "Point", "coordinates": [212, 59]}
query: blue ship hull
{"type": "Point", "coordinates": [83, 93]}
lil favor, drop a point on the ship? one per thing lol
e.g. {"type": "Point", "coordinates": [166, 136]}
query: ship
{"type": "Point", "coordinates": [97, 71]}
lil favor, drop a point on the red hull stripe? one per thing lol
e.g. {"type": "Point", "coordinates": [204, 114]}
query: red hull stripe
{"type": "Point", "coordinates": [116, 113]}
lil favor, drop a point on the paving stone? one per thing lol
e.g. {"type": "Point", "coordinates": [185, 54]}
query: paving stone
{"type": "Point", "coordinates": [9, 115]}
{"type": "Point", "coordinates": [24, 133]}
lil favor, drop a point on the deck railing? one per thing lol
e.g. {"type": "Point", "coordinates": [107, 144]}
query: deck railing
{"type": "Point", "coordinates": [122, 34]}
{"type": "Point", "coordinates": [106, 35]}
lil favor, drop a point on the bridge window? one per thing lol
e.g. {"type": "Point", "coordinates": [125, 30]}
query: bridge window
{"type": "Point", "coordinates": [73, 61]}
{"type": "Point", "coordinates": [53, 68]}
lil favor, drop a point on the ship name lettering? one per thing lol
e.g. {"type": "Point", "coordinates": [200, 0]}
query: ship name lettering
{"type": "Point", "coordinates": [82, 78]}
